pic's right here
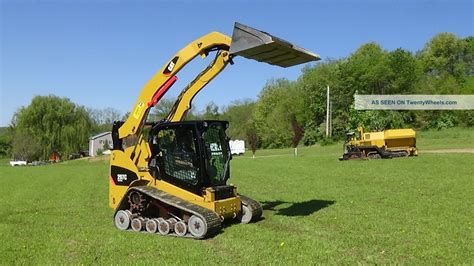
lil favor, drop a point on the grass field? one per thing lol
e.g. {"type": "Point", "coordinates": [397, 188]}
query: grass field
{"type": "Point", "coordinates": [316, 209]}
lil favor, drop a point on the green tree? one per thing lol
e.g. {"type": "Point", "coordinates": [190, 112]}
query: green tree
{"type": "Point", "coordinates": [6, 138]}
{"type": "Point", "coordinates": [211, 112]}
{"type": "Point", "coordinates": [444, 55]}
{"type": "Point", "coordinates": [469, 55]}
{"type": "Point", "coordinates": [314, 82]}
{"type": "Point", "coordinates": [5, 146]}
{"type": "Point", "coordinates": [55, 124]}
{"type": "Point", "coordinates": [25, 147]}
{"type": "Point", "coordinates": [270, 122]}
{"type": "Point", "coordinates": [365, 71]}
{"type": "Point", "coordinates": [403, 72]}
{"type": "Point", "coordinates": [280, 113]}
{"type": "Point", "coordinates": [298, 133]}
{"type": "Point", "coordinates": [161, 109]}
{"type": "Point", "coordinates": [239, 114]}
{"type": "Point", "coordinates": [253, 138]}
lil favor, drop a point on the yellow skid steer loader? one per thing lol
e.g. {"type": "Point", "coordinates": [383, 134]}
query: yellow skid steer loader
{"type": "Point", "coordinates": [173, 180]}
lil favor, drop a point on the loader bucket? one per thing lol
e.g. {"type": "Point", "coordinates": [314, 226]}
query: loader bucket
{"type": "Point", "coordinates": [261, 46]}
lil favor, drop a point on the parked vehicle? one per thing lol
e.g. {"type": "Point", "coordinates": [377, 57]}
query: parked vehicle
{"type": "Point", "coordinates": [385, 144]}
{"type": "Point", "coordinates": [38, 163]}
{"type": "Point", "coordinates": [18, 163]}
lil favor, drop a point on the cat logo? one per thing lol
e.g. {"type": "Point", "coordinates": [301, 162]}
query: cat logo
{"type": "Point", "coordinates": [169, 68]}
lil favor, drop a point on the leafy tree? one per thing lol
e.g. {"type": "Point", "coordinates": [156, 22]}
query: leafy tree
{"type": "Point", "coordinates": [239, 114]}
{"type": "Point", "coordinates": [469, 55]}
{"type": "Point", "coordinates": [270, 115]}
{"type": "Point", "coordinates": [403, 72]}
{"type": "Point", "coordinates": [252, 138]}
{"type": "Point", "coordinates": [313, 83]}
{"type": "Point", "coordinates": [437, 69]}
{"type": "Point", "coordinates": [5, 146]}
{"type": "Point", "coordinates": [366, 71]}
{"type": "Point", "coordinates": [26, 147]}
{"type": "Point", "coordinates": [437, 118]}
{"type": "Point", "coordinates": [313, 133]}
{"type": "Point", "coordinates": [444, 54]}
{"type": "Point", "coordinates": [161, 109]}
{"type": "Point", "coordinates": [298, 132]}
{"type": "Point", "coordinates": [164, 107]}
{"type": "Point", "coordinates": [6, 137]}
{"type": "Point", "coordinates": [105, 116]}
{"type": "Point", "coordinates": [211, 112]}
{"type": "Point", "coordinates": [55, 124]}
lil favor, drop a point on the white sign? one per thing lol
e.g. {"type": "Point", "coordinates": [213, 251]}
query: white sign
{"type": "Point", "coordinates": [414, 102]}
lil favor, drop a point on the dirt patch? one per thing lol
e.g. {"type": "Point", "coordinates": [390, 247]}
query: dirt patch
{"type": "Point", "coordinates": [99, 158]}
{"type": "Point", "coordinates": [464, 150]}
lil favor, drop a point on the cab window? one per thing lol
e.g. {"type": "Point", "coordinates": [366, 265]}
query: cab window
{"type": "Point", "coordinates": [179, 159]}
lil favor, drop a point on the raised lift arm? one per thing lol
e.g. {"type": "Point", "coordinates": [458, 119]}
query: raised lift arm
{"type": "Point", "coordinates": [165, 77]}
{"type": "Point", "coordinates": [183, 103]}
{"type": "Point", "coordinates": [246, 42]}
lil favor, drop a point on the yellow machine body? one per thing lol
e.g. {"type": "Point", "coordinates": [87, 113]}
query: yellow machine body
{"type": "Point", "coordinates": [130, 166]}
{"type": "Point", "coordinates": [390, 139]}
{"type": "Point", "coordinates": [401, 139]}
{"type": "Point", "coordinates": [381, 144]}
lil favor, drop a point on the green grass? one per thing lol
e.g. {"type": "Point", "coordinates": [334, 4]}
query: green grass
{"type": "Point", "coordinates": [445, 139]}
{"type": "Point", "coordinates": [316, 209]}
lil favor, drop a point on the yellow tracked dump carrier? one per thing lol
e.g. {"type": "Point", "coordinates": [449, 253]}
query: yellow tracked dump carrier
{"type": "Point", "coordinates": [389, 143]}
{"type": "Point", "coordinates": [173, 179]}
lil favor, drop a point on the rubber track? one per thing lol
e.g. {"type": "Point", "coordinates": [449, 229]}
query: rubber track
{"type": "Point", "coordinates": [211, 218]}
{"type": "Point", "coordinates": [397, 154]}
{"type": "Point", "coordinates": [254, 205]}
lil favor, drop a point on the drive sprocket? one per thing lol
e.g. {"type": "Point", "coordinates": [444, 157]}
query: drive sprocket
{"type": "Point", "coordinates": [137, 201]}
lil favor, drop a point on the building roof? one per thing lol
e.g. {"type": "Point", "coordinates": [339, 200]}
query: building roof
{"type": "Point", "coordinates": [100, 135]}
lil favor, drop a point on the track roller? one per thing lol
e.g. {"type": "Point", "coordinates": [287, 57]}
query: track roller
{"type": "Point", "coordinates": [196, 226]}
{"type": "Point", "coordinates": [122, 219]}
{"type": "Point", "coordinates": [151, 226]}
{"type": "Point", "coordinates": [138, 224]}
{"type": "Point", "coordinates": [163, 227]}
{"type": "Point", "coordinates": [180, 228]}
{"type": "Point", "coordinates": [172, 222]}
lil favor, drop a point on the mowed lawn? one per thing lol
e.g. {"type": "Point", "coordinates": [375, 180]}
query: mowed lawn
{"type": "Point", "coordinates": [316, 210]}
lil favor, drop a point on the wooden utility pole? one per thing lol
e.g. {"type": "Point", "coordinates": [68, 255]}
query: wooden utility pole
{"type": "Point", "coordinates": [327, 113]}
{"type": "Point", "coordinates": [330, 118]}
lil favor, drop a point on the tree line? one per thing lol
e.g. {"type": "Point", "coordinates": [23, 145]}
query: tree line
{"type": "Point", "coordinates": [286, 113]}
{"type": "Point", "coordinates": [53, 124]}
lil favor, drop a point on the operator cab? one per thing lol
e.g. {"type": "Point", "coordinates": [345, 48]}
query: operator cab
{"type": "Point", "coordinates": [192, 155]}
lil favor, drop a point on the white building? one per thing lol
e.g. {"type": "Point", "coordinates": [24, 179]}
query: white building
{"type": "Point", "coordinates": [102, 141]}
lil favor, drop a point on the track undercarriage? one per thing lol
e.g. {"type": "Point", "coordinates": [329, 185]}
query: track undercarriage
{"type": "Point", "coordinates": [149, 209]}
{"type": "Point", "coordinates": [371, 152]}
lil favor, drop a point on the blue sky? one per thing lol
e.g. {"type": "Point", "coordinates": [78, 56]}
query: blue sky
{"type": "Point", "coordinates": [100, 53]}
